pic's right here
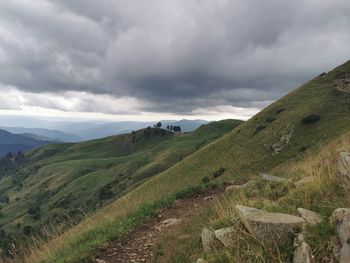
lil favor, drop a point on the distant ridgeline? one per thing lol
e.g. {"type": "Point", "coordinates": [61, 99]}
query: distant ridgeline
{"type": "Point", "coordinates": [13, 143]}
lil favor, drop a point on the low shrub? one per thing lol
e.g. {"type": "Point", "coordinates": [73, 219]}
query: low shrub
{"type": "Point", "coordinates": [312, 118]}
{"type": "Point", "coordinates": [279, 111]}
{"type": "Point", "coordinates": [205, 180]}
{"type": "Point", "coordinates": [270, 119]}
{"type": "Point", "coordinates": [219, 172]}
{"type": "Point", "coordinates": [259, 129]}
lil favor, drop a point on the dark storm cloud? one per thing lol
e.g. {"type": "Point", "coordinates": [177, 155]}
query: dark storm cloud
{"type": "Point", "coordinates": [178, 55]}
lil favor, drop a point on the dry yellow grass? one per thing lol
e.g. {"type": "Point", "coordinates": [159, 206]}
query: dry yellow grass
{"type": "Point", "coordinates": [322, 193]}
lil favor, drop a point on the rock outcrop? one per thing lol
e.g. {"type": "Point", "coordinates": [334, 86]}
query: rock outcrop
{"type": "Point", "coordinates": [309, 216]}
{"type": "Point", "coordinates": [342, 82]}
{"type": "Point", "coordinates": [269, 228]}
{"type": "Point", "coordinates": [208, 239]}
{"type": "Point", "coordinates": [340, 218]}
{"type": "Point", "coordinates": [272, 178]}
{"type": "Point", "coordinates": [303, 254]}
{"type": "Point", "coordinates": [344, 167]}
{"type": "Point", "coordinates": [224, 235]}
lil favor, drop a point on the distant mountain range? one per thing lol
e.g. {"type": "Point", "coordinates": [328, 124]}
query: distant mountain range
{"type": "Point", "coordinates": [88, 132]}
{"type": "Point", "coordinates": [75, 131]}
{"type": "Point", "coordinates": [16, 142]}
{"type": "Point", "coordinates": [43, 134]}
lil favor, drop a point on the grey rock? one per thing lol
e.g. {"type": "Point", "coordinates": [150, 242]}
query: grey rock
{"type": "Point", "coordinates": [340, 218]}
{"type": "Point", "coordinates": [269, 228]}
{"type": "Point", "coordinates": [201, 260]}
{"type": "Point", "coordinates": [303, 254]}
{"type": "Point", "coordinates": [345, 254]}
{"type": "Point", "coordinates": [208, 239]}
{"type": "Point", "coordinates": [344, 167]}
{"type": "Point", "coordinates": [300, 238]}
{"type": "Point", "coordinates": [272, 178]}
{"type": "Point", "coordinates": [309, 216]}
{"type": "Point", "coordinates": [224, 235]}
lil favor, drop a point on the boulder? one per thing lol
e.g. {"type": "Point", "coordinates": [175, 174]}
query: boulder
{"type": "Point", "coordinates": [340, 218]}
{"type": "Point", "coordinates": [224, 235]}
{"type": "Point", "coordinates": [344, 167]}
{"type": "Point", "coordinates": [299, 239]}
{"type": "Point", "coordinates": [345, 254]}
{"type": "Point", "coordinates": [201, 260]}
{"type": "Point", "coordinates": [208, 239]}
{"type": "Point", "coordinates": [272, 178]}
{"type": "Point", "coordinates": [269, 228]}
{"type": "Point", "coordinates": [309, 216]}
{"type": "Point", "coordinates": [303, 254]}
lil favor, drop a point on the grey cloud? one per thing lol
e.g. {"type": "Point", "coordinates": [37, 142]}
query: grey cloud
{"type": "Point", "coordinates": [177, 55]}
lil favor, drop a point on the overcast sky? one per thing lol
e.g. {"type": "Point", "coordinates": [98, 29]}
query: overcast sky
{"type": "Point", "coordinates": [156, 59]}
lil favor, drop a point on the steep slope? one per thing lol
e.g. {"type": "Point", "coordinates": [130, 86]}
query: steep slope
{"type": "Point", "coordinates": [15, 142]}
{"type": "Point", "coordinates": [63, 182]}
{"type": "Point", "coordinates": [300, 122]}
{"type": "Point", "coordinates": [281, 132]}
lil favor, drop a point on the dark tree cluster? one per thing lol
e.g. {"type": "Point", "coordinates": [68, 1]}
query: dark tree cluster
{"type": "Point", "coordinates": [4, 199]}
{"type": "Point", "coordinates": [35, 212]}
{"type": "Point", "coordinates": [10, 162]}
{"type": "Point", "coordinates": [173, 128]}
{"type": "Point", "coordinates": [158, 125]}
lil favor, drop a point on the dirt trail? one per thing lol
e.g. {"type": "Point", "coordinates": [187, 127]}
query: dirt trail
{"type": "Point", "coordinates": [139, 245]}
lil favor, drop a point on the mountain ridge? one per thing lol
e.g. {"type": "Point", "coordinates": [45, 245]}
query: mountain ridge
{"type": "Point", "coordinates": [17, 143]}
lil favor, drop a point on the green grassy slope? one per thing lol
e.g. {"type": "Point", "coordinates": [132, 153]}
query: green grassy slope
{"type": "Point", "coordinates": [276, 135]}
{"type": "Point", "coordinates": [70, 180]}
{"type": "Point", "coordinates": [273, 136]}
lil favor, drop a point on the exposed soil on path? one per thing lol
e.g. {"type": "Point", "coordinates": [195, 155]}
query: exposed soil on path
{"type": "Point", "coordinates": [139, 244]}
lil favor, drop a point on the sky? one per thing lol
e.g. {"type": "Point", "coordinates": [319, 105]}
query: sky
{"type": "Point", "coordinates": [163, 59]}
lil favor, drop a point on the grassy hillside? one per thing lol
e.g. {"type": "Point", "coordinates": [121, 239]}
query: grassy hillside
{"type": "Point", "coordinates": [299, 123]}
{"type": "Point", "coordinates": [63, 182]}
